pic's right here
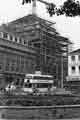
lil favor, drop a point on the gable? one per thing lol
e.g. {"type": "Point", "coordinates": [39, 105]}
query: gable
{"type": "Point", "coordinates": [75, 52]}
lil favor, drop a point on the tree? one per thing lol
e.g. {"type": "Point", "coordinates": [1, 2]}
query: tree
{"type": "Point", "coordinates": [70, 8]}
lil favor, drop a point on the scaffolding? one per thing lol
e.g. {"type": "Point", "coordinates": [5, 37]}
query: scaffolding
{"type": "Point", "coordinates": [51, 48]}
{"type": "Point", "coordinates": [52, 51]}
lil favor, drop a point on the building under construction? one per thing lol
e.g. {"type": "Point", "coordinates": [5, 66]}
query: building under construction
{"type": "Point", "coordinates": [32, 43]}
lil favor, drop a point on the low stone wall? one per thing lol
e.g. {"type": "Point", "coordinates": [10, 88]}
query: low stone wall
{"type": "Point", "coordinates": [41, 112]}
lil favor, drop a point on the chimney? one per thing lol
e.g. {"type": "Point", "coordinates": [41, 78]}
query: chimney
{"type": "Point", "coordinates": [34, 7]}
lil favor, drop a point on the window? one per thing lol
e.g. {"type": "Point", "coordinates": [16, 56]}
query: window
{"type": "Point", "coordinates": [79, 57]}
{"type": "Point", "coordinates": [1, 66]}
{"type": "Point", "coordinates": [73, 69]}
{"type": "Point", "coordinates": [18, 64]}
{"type": "Point", "coordinates": [1, 61]}
{"type": "Point", "coordinates": [16, 39]}
{"type": "Point", "coordinates": [73, 58]}
{"type": "Point", "coordinates": [28, 85]}
{"type": "Point", "coordinates": [43, 85]}
{"type": "Point", "coordinates": [11, 37]}
{"type": "Point", "coordinates": [5, 35]}
{"type": "Point", "coordinates": [79, 69]}
{"type": "Point", "coordinates": [13, 64]}
{"type": "Point", "coordinates": [29, 43]}
{"type": "Point", "coordinates": [25, 42]}
{"type": "Point", "coordinates": [26, 65]}
{"type": "Point", "coordinates": [37, 45]}
{"type": "Point", "coordinates": [0, 34]}
{"type": "Point", "coordinates": [22, 64]}
{"type": "Point", "coordinates": [7, 66]}
{"type": "Point", "coordinates": [20, 40]}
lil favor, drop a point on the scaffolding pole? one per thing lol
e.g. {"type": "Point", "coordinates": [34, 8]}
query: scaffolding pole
{"type": "Point", "coordinates": [62, 72]}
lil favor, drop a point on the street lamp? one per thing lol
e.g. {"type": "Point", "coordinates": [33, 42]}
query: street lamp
{"type": "Point", "coordinates": [62, 68]}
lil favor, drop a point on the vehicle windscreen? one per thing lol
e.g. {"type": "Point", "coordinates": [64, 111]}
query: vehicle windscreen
{"type": "Point", "coordinates": [44, 85]}
{"type": "Point", "coordinates": [28, 77]}
{"type": "Point", "coordinates": [28, 85]}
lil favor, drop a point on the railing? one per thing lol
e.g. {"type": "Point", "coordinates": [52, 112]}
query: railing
{"type": "Point", "coordinates": [41, 112]}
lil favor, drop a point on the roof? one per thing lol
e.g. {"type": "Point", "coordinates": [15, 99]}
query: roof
{"type": "Point", "coordinates": [30, 27]}
{"type": "Point", "coordinates": [27, 27]}
{"type": "Point", "coordinates": [63, 39]}
{"type": "Point", "coordinates": [30, 17]}
{"type": "Point", "coordinates": [75, 51]}
{"type": "Point", "coordinates": [38, 75]}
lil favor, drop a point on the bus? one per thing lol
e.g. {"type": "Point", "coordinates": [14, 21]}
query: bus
{"type": "Point", "coordinates": [38, 83]}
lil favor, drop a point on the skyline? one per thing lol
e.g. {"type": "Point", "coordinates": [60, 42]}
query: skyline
{"type": "Point", "coordinates": [66, 26]}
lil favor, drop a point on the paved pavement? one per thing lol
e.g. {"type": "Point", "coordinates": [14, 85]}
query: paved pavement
{"type": "Point", "coordinates": [44, 119]}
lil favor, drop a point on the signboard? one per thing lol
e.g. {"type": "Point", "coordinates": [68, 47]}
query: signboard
{"type": "Point", "coordinates": [41, 81]}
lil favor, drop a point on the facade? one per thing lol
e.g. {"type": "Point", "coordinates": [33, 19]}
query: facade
{"type": "Point", "coordinates": [73, 80]}
{"type": "Point", "coordinates": [28, 44]}
{"type": "Point", "coordinates": [16, 59]}
{"type": "Point", "coordinates": [74, 65]}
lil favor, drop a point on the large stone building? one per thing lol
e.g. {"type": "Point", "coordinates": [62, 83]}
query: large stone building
{"type": "Point", "coordinates": [73, 78]}
{"type": "Point", "coordinates": [28, 44]}
{"type": "Point", "coordinates": [16, 59]}
{"type": "Point", "coordinates": [74, 65]}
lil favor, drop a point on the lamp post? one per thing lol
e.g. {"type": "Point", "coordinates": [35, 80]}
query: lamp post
{"type": "Point", "coordinates": [64, 55]}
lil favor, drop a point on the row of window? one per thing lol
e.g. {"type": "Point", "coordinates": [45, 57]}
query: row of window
{"type": "Point", "coordinates": [15, 63]}
{"type": "Point", "coordinates": [13, 38]}
{"type": "Point", "coordinates": [73, 57]}
{"type": "Point", "coordinates": [14, 67]}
